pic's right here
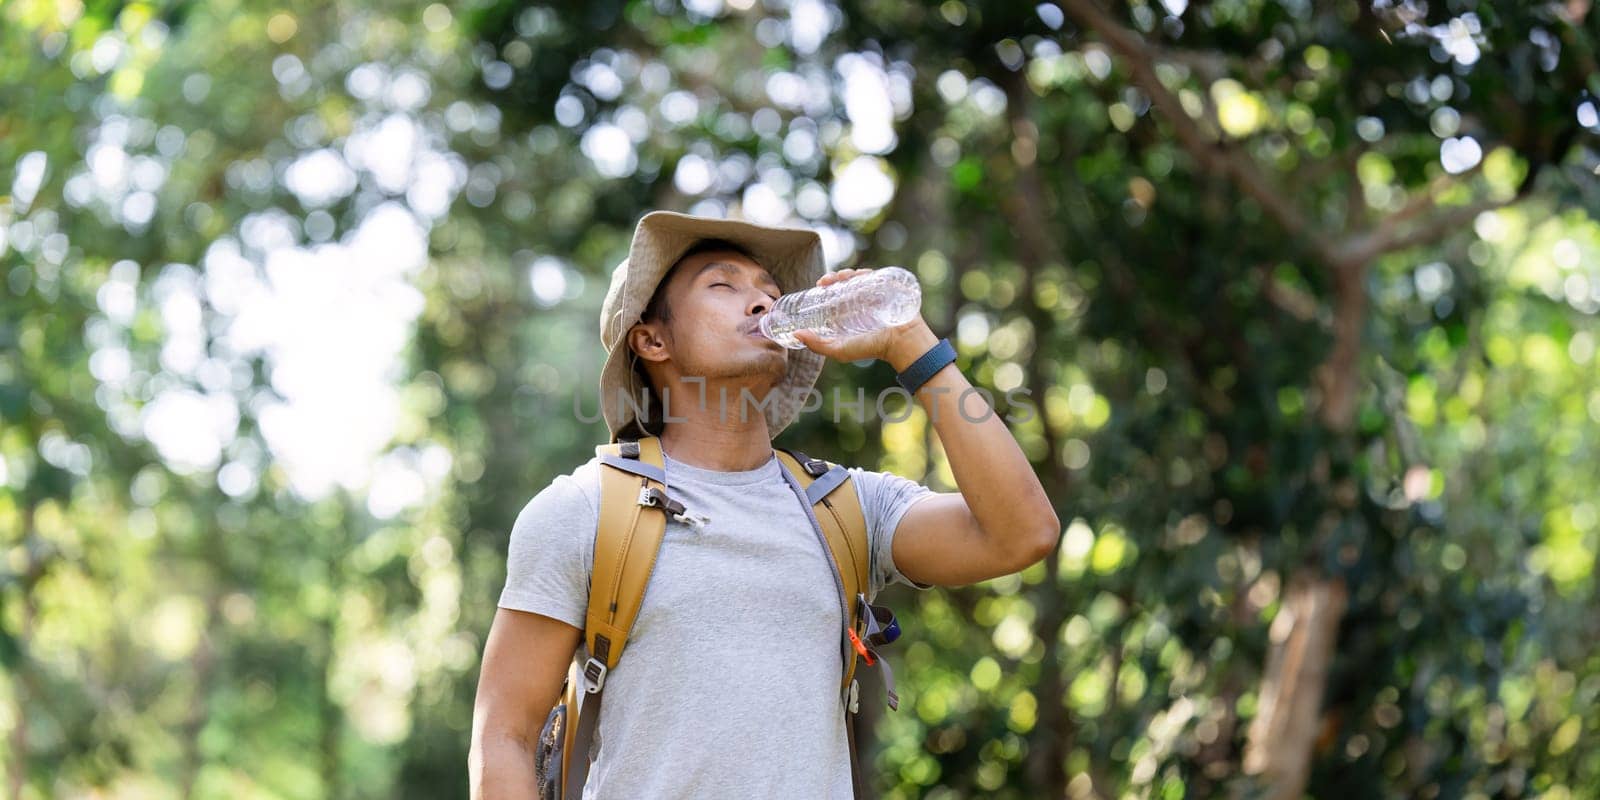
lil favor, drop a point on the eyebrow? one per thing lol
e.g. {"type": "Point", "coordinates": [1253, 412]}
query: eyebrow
{"type": "Point", "coordinates": [724, 266]}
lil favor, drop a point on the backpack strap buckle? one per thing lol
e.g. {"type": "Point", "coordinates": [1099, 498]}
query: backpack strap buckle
{"type": "Point", "coordinates": [594, 675]}
{"type": "Point", "coordinates": [693, 520]}
{"type": "Point", "coordinates": [653, 497]}
{"type": "Point", "coordinates": [815, 467]}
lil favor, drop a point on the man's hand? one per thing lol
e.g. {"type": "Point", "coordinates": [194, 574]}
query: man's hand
{"type": "Point", "coordinates": [899, 345]}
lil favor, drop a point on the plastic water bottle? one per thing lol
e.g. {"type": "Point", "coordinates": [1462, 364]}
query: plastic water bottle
{"type": "Point", "coordinates": [882, 298]}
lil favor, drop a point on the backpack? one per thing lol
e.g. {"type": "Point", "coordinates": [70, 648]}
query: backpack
{"type": "Point", "coordinates": [634, 507]}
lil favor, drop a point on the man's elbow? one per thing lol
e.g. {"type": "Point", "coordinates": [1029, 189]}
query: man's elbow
{"type": "Point", "coordinates": [478, 753]}
{"type": "Point", "coordinates": [500, 763]}
{"type": "Point", "coordinates": [1036, 542]}
{"type": "Point", "coordinates": [1044, 540]}
{"type": "Point", "coordinates": [478, 766]}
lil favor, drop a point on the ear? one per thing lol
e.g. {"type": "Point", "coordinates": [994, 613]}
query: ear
{"type": "Point", "coordinates": [648, 341]}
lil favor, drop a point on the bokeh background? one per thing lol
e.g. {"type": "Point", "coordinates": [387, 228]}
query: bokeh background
{"type": "Point", "coordinates": [296, 299]}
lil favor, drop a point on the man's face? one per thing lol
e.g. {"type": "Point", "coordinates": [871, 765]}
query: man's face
{"type": "Point", "coordinates": [716, 298]}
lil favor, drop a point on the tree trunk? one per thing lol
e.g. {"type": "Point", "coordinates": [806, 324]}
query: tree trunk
{"type": "Point", "coordinates": [17, 768]}
{"type": "Point", "coordinates": [203, 665]}
{"type": "Point", "coordinates": [1290, 701]}
{"type": "Point", "coordinates": [1031, 210]}
{"type": "Point", "coordinates": [330, 719]}
{"type": "Point", "coordinates": [1305, 634]}
{"type": "Point", "coordinates": [21, 679]}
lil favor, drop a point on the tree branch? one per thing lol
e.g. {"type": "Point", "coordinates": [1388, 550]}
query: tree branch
{"type": "Point", "coordinates": [1428, 199]}
{"type": "Point", "coordinates": [1291, 300]}
{"type": "Point", "coordinates": [1386, 238]}
{"type": "Point", "coordinates": [1212, 155]}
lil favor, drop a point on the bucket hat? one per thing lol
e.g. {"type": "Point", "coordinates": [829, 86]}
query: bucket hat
{"type": "Point", "coordinates": [792, 255]}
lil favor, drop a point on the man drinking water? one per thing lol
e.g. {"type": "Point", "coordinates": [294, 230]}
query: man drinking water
{"type": "Point", "coordinates": [731, 682]}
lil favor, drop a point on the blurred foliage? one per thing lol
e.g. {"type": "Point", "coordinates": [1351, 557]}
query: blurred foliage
{"type": "Point", "coordinates": [1295, 289]}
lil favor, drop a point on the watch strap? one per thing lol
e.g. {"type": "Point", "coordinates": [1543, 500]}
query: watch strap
{"type": "Point", "coordinates": [938, 357]}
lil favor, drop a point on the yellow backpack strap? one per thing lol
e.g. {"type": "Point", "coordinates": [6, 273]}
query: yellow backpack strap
{"type": "Point", "coordinates": [838, 512]}
{"type": "Point", "coordinates": [634, 507]}
{"type": "Point", "coordinates": [833, 497]}
{"type": "Point", "coordinates": [633, 518]}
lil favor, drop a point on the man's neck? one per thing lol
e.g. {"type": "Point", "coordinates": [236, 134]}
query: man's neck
{"type": "Point", "coordinates": [715, 436]}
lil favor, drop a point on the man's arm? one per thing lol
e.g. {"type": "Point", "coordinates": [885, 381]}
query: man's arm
{"type": "Point", "coordinates": [1001, 521]}
{"type": "Point", "coordinates": [524, 662]}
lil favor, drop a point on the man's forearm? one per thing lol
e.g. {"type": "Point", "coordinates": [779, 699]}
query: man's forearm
{"type": "Point", "coordinates": [501, 766]}
{"type": "Point", "coordinates": [991, 471]}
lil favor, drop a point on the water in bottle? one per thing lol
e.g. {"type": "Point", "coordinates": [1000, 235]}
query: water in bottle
{"type": "Point", "coordinates": [882, 298]}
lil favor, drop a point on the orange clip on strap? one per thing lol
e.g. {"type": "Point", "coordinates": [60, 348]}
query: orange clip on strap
{"type": "Point", "coordinates": [861, 649]}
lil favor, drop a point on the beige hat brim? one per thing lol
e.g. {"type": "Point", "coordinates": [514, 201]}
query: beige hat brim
{"type": "Point", "coordinates": [792, 255]}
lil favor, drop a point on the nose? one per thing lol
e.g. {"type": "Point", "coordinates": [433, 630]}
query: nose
{"type": "Point", "coordinates": [760, 305]}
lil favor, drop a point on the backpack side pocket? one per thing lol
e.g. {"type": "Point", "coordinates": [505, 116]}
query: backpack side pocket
{"type": "Point", "coordinates": [547, 760]}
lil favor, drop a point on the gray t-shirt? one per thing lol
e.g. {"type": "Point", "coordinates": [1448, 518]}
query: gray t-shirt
{"type": "Point", "coordinates": [729, 686]}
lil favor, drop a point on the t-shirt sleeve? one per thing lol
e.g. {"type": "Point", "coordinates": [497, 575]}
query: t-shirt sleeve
{"type": "Point", "coordinates": [552, 546]}
{"type": "Point", "coordinates": [884, 499]}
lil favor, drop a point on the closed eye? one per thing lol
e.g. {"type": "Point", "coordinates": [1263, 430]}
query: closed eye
{"type": "Point", "coordinates": [730, 286]}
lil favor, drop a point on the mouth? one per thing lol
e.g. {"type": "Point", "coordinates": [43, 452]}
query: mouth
{"type": "Point", "coordinates": [754, 331]}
